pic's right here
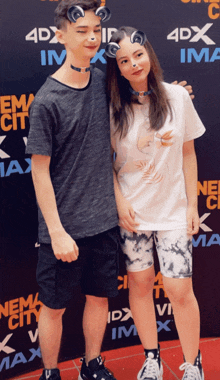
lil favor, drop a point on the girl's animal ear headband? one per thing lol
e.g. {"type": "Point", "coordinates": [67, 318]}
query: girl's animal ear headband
{"type": "Point", "coordinates": [76, 12]}
{"type": "Point", "coordinates": [112, 47]}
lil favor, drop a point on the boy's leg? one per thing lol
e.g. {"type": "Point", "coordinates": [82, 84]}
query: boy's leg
{"type": "Point", "coordinates": [50, 332]}
{"type": "Point", "coordinates": [94, 325]}
{"type": "Point", "coordinates": [99, 282]}
{"type": "Point", "coordinates": [56, 280]}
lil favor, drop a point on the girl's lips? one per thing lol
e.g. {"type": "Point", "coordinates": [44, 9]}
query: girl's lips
{"type": "Point", "coordinates": [91, 47]}
{"type": "Point", "coordinates": [138, 72]}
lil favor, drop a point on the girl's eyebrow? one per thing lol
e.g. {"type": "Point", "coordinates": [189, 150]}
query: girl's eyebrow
{"type": "Point", "coordinates": [122, 58]}
{"type": "Point", "coordinates": [135, 52]}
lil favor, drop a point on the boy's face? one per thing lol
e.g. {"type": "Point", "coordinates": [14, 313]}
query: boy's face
{"type": "Point", "coordinates": [83, 37]}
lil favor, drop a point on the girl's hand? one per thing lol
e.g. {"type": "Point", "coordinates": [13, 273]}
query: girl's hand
{"type": "Point", "coordinates": [193, 221]}
{"type": "Point", "coordinates": [126, 215]}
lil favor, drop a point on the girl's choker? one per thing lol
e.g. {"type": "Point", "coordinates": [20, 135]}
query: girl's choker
{"type": "Point", "coordinates": [140, 93]}
{"type": "Point", "coordinates": [82, 70]}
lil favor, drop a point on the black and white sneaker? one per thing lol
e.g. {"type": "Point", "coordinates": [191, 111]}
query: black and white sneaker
{"type": "Point", "coordinates": [50, 374]}
{"type": "Point", "coordinates": [95, 370]}
{"type": "Point", "coordinates": [152, 368]}
{"type": "Point", "coordinates": [193, 371]}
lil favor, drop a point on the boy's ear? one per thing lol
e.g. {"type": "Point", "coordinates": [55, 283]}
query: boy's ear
{"type": "Point", "coordinates": [60, 36]}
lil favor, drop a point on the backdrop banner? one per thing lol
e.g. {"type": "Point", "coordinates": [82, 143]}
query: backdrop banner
{"type": "Point", "coordinates": [186, 37]}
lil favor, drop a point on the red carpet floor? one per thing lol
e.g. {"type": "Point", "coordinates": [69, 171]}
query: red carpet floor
{"type": "Point", "coordinates": [126, 362]}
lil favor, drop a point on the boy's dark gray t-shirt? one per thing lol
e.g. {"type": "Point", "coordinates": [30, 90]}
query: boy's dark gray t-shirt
{"type": "Point", "coordinates": [72, 127]}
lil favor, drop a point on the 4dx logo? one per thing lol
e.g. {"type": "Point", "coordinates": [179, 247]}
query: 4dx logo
{"type": "Point", "coordinates": [41, 34]}
{"type": "Point", "coordinates": [186, 33]}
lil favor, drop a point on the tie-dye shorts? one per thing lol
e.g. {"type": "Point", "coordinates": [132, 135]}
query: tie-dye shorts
{"type": "Point", "coordinates": [174, 250]}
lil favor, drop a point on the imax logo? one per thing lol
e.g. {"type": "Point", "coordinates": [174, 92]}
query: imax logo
{"type": "Point", "coordinates": [205, 55]}
{"type": "Point", "coordinates": [51, 57]}
{"type": "Point", "coordinates": [180, 34]}
{"type": "Point", "coordinates": [123, 331]}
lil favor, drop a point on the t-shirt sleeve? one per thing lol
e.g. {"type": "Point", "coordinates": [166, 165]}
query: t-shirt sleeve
{"type": "Point", "coordinates": [194, 127]}
{"type": "Point", "coordinates": [41, 126]}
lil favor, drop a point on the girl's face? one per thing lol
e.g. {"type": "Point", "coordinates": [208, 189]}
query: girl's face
{"type": "Point", "coordinates": [133, 61]}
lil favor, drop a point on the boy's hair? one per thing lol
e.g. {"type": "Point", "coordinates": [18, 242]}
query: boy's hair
{"type": "Point", "coordinates": [62, 8]}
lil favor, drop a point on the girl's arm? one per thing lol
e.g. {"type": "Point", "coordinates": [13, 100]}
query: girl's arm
{"type": "Point", "coordinates": [125, 210]}
{"type": "Point", "coordinates": [190, 174]}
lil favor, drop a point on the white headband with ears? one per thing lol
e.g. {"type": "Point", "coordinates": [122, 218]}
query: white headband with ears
{"type": "Point", "coordinates": [76, 12]}
{"type": "Point", "coordinates": [111, 49]}
{"type": "Point", "coordinates": [139, 37]}
{"type": "Point", "coordinates": [104, 13]}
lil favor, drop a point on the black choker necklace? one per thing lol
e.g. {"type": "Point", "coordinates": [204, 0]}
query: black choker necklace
{"type": "Point", "coordinates": [82, 70]}
{"type": "Point", "coordinates": [140, 93]}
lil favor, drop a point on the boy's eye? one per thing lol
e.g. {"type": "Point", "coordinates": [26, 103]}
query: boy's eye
{"type": "Point", "coordinates": [98, 30]}
{"type": "Point", "coordinates": [81, 31]}
{"type": "Point", "coordinates": [140, 54]}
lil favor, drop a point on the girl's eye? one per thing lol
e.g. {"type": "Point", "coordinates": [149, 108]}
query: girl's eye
{"type": "Point", "coordinates": [140, 54]}
{"type": "Point", "coordinates": [81, 31]}
{"type": "Point", "coordinates": [98, 30]}
{"type": "Point", "coordinates": [124, 61]}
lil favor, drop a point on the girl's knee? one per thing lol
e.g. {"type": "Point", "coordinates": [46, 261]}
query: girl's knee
{"type": "Point", "coordinates": [181, 292]}
{"type": "Point", "coordinates": [141, 281]}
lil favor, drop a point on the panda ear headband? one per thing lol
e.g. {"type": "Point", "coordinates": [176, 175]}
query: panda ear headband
{"type": "Point", "coordinates": [76, 12]}
{"type": "Point", "coordinates": [136, 37]}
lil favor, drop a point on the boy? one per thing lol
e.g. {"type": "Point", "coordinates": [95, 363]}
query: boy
{"type": "Point", "coordinates": [72, 174]}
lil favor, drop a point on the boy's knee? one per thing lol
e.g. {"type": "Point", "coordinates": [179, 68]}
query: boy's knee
{"type": "Point", "coordinates": [100, 301]}
{"type": "Point", "coordinates": [52, 313]}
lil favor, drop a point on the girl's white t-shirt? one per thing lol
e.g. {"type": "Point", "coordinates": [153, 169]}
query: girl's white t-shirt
{"type": "Point", "coordinates": [149, 164]}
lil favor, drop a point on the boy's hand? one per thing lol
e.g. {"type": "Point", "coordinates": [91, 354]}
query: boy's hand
{"type": "Point", "coordinates": [64, 247]}
{"type": "Point", "coordinates": [188, 87]}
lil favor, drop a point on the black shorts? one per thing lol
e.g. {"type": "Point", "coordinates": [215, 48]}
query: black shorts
{"type": "Point", "coordinates": [96, 270]}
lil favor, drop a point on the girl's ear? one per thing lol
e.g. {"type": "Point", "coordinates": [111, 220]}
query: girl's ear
{"type": "Point", "coordinates": [60, 36]}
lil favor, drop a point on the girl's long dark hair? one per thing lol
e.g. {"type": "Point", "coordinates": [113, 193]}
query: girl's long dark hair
{"type": "Point", "coordinates": [121, 98]}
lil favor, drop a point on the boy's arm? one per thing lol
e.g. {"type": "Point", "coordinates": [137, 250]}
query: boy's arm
{"type": "Point", "coordinates": [188, 87]}
{"type": "Point", "coordinates": [190, 174]}
{"type": "Point", "coordinates": [63, 245]}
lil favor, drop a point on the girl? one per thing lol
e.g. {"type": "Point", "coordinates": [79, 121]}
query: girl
{"type": "Point", "coordinates": [154, 125]}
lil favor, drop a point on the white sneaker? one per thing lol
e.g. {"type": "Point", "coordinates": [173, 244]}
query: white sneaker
{"type": "Point", "coordinates": [152, 368]}
{"type": "Point", "coordinates": [193, 372]}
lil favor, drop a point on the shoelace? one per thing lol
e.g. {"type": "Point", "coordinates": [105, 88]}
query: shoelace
{"type": "Point", "coordinates": [102, 373]}
{"type": "Point", "coordinates": [191, 371]}
{"type": "Point", "coordinates": [150, 367]}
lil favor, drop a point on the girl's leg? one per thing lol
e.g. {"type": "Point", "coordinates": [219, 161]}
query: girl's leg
{"type": "Point", "coordinates": [186, 314]}
{"type": "Point", "coordinates": [138, 247]}
{"type": "Point", "coordinates": [142, 306]}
